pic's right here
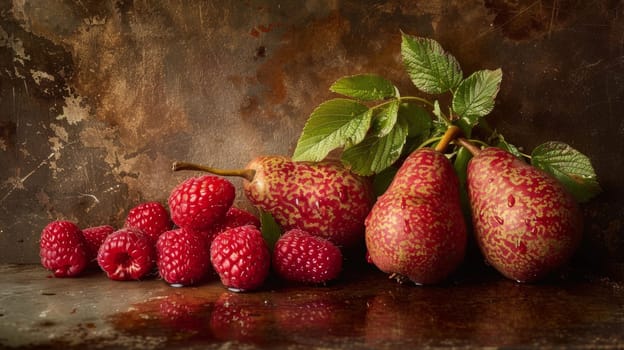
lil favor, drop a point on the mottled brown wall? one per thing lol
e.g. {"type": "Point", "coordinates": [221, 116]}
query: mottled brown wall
{"type": "Point", "coordinates": [99, 97]}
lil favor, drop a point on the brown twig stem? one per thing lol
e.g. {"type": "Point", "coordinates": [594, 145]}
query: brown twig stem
{"type": "Point", "coordinates": [451, 133]}
{"type": "Point", "coordinates": [247, 174]}
{"type": "Point", "coordinates": [471, 147]}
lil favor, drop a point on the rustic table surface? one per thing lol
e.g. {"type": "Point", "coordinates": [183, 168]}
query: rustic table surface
{"type": "Point", "coordinates": [362, 310]}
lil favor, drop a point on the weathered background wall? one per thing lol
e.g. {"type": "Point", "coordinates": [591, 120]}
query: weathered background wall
{"type": "Point", "coordinates": [98, 98]}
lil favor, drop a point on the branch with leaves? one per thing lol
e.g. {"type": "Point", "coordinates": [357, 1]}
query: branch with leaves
{"type": "Point", "coordinates": [374, 127]}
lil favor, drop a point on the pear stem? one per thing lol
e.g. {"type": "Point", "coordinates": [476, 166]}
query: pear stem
{"type": "Point", "coordinates": [247, 174]}
{"type": "Point", "coordinates": [451, 133]}
{"type": "Point", "coordinates": [471, 147]}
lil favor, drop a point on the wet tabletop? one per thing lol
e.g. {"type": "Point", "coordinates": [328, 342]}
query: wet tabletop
{"type": "Point", "coordinates": [363, 310]}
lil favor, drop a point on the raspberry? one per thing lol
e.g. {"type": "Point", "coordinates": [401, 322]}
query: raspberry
{"type": "Point", "coordinates": [199, 202]}
{"type": "Point", "coordinates": [94, 237]}
{"type": "Point", "coordinates": [302, 257]}
{"type": "Point", "coordinates": [126, 254]}
{"type": "Point", "coordinates": [234, 217]}
{"type": "Point", "coordinates": [183, 257]}
{"type": "Point", "coordinates": [150, 217]}
{"type": "Point", "coordinates": [241, 258]}
{"type": "Point", "coordinates": [62, 249]}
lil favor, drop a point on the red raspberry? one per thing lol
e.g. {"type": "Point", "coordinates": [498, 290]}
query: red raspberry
{"type": "Point", "coordinates": [126, 254]}
{"type": "Point", "coordinates": [303, 257]}
{"type": "Point", "coordinates": [234, 217]}
{"type": "Point", "coordinates": [62, 249]}
{"type": "Point", "coordinates": [94, 237]}
{"type": "Point", "coordinates": [241, 258]}
{"type": "Point", "coordinates": [199, 202]}
{"type": "Point", "coordinates": [150, 217]}
{"type": "Point", "coordinates": [183, 257]}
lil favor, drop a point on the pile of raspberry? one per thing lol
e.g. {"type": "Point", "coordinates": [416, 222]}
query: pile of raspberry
{"type": "Point", "coordinates": [199, 237]}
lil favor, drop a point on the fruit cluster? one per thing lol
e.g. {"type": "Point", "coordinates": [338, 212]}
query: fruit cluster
{"type": "Point", "coordinates": [525, 216]}
{"type": "Point", "coordinates": [201, 234]}
{"type": "Point", "coordinates": [524, 207]}
{"type": "Point", "coordinates": [525, 222]}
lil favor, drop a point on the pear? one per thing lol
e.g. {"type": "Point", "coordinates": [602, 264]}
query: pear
{"type": "Point", "coordinates": [323, 198]}
{"type": "Point", "coordinates": [526, 224]}
{"type": "Point", "coordinates": [416, 229]}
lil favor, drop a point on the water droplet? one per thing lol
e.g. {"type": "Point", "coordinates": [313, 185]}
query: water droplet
{"type": "Point", "coordinates": [499, 219]}
{"type": "Point", "coordinates": [490, 180]}
{"type": "Point", "coordinates": [522, 248]}
{"type": "Point", "coordinates": [342, 195]}
{"type": "Point", "coordinates": [511, 201]}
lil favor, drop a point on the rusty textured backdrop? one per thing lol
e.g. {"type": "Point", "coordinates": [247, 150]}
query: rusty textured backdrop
{"type": "Point", "coordinates": [97, 98]}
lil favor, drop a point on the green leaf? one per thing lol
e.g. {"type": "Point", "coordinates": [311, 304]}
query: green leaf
{"type": "Point", "coordinates": [334, 123]}
{"type": "Point", "coordinates": [439, 124]}
{"type": "Point", "coordinates": [375, 154]}
{"type": "Point", "coordinates": [419, 125]}
{"type": "Point", "coordinates": [385, 118]}
{"type": "Point", "coordinates": [418, 119]}
{"type": "Point", "coordinates": [502, 143]}
{"type": "Point", "coordinates": [498, 140]}
{"type": "Point", "coordinates": [437, 111]}
{"type": "Point", "coordinates": [271, 230]}
{"type": "Point", "coordinates": [475, 95]}
{"type": "Point", "coordinates": [569, 166]}
{"type": "Point", "coordinates": [430, 68]}
{"type": "Point", "coordinates": [383, 179]}
{"type": "Point", "coordinates": [365, 87]}
{"type": "Point", "coordinates": [465, 127]}
{"type": "Point", "coordinates": [461, 165]}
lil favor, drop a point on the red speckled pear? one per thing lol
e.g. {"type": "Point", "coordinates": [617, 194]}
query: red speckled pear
{"type": "Point", "coordinates": [416, 228]}
{"type": "Point", "coordinates": [322, 198]}
{"type": "Point", "coordinates": [526, 224]}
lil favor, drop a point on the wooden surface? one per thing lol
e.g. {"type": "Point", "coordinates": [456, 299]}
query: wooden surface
{"type": "Point", "coordinates": [362, 310]}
